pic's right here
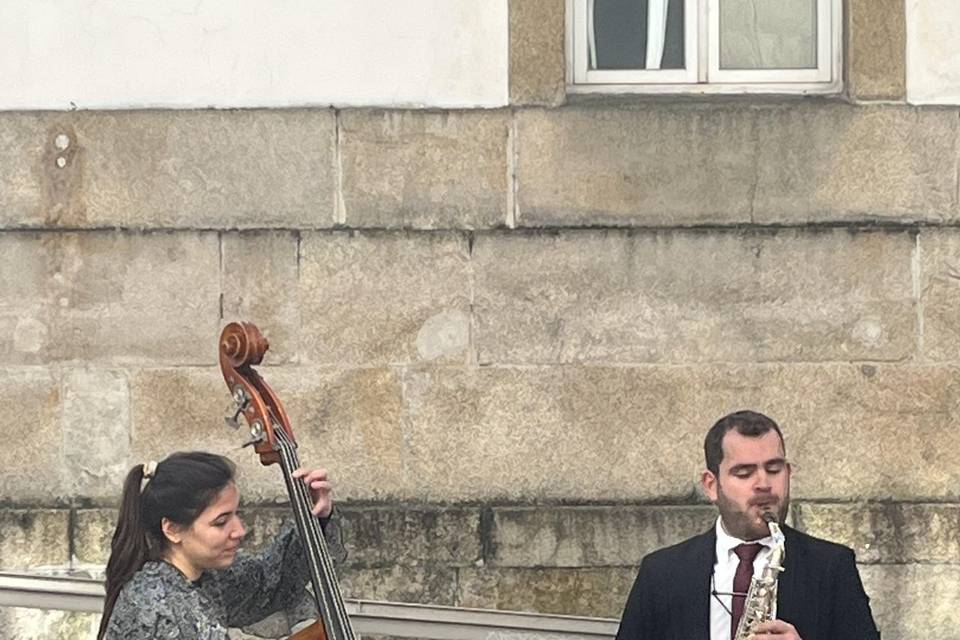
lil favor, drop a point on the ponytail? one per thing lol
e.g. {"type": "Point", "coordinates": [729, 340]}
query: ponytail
{"type": "Point", "coordinates": [129, 548]}
{"type": "Point", "coordinates": [178, 490]}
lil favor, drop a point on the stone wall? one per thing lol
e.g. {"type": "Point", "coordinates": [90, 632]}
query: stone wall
{"type": "Point", "coordinates": [506, 331]}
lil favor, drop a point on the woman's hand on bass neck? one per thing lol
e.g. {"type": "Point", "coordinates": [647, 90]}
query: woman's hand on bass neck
{"type": "Point", "coordinates": [321, 490]}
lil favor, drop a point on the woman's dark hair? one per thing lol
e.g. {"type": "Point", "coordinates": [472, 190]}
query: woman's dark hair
{"type": "Point", "coordinates": [747, 423]}
{"type": "Point", "coordinates": [182, 486]}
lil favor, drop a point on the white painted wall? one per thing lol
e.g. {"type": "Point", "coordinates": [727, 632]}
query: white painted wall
{"type": "Point", "coordinates": [933, 51]}
{"type": "Point", "coordinates": [252, 53]}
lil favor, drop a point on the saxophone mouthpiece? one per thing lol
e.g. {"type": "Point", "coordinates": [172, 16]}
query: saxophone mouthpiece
{"type": "Point", "coordinates": [768, 517]}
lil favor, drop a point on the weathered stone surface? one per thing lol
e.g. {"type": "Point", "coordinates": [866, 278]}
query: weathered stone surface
{"type": "Point", "coordinates": [17, 623]}
{"type": "Point", "coordinates": [412, 583]}
{"type": "Point", "coordinates": [933, 75]}
{"type": "Point", "coordinates": [694, 296]}
{"type": "Point", "coordinates": [856, 163]}
{"type": "Point", "coordinates": [877, 50]}
{"type": "Point", "coordinates": [260, 285]}
{"type": "Point", "coordinates": [95, 429]}
{"type": "Point", "coordinates": [590, 536]}
{"type": "Point", "coordinates": [685, 164]}
{"type": "Point", "coordinates": [384, 536]}
{"type": "Point", "coordinates": [182, 169]}
{"type": "Point", "coordinates": [915, 600]}
{"type": "Point", "coordinates": [108, 297]}
{"type": "Point", "coordinates": [636, 433]}
{"type": "Point", "coordinates": [31, 473]}
{"type": "Point", "coordinates": [427, 170]}
{"type": "Point", "coordinates": [33, 537]}
{"type": "Point", "coordinates": [384, 298]}
{"type": "Point", "coordinates": [889, 532]}
{"type": "Point", "coordinates": [654, 165]}
{"type": "Point", "coordinates": [92, 531]}
{"type": "Point", "coordinates": [940, 294]}
{"type": "Point", "coordinates": [346, 421]}
{"type": "Point", "coordinates": [537, 64]}
{"type": "Point", "coordinates": [30, 182]}
{"type": "Point", "coordinates": [586, 592]}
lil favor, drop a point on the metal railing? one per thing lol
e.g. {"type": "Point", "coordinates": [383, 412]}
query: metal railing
{"type": "Point", "coordinates": [368, 617]}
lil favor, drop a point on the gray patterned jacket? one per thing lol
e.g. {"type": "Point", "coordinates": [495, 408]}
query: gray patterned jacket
{"type": "Point", "coordinates": [160, 602]}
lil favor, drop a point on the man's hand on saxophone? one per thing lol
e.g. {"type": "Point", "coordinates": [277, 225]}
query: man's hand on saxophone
{"type": "Point", "coordinates": [775, 630]}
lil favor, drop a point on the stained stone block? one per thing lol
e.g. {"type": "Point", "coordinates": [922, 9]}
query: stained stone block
{"type": "Point", "coordinates": [260, 285]}
{"type": "Point", "coordinates": [179, 169]}
{"type": "Point", "coordinates": [31, 472]}
{"type": "Point", "coordinates": [420, 584]}
{"type": "Point", "coordinates": [877, 49]}
{"type": "Point", "coordinates": [384, 536]}
{"type": "Point", "coordinates": [636, 433]}
{"type": "Point", "coordinates": [856, 163]}
{"type": "Point", "coordinates": [19, 623]}
{"type": "Point", "coordinates": [895, 533]}
{"type": "Point", "coordinates": [940, 294]}
{"type": "Point", "coordinates": [33, 537]}
{"type": "Point", "coordinates": [590, 536]}
{"type": "Point", "coordinates": [583, 592]}
{"type": "Point", "coordinates": [96, 430]}
{"type": "Point", "coordinates": [694, 296]}
{"type": "Point", "coordinates": [384, 298]}
{"type": "Point", "coordinates": [913, 600]}
{"type": "Point", "coordinates": [644, 166]}
{"type": "Point", "coordinates": [92, 532]}
{"type": "Point", "coordinates": [537, 64]}
{"type": "Point", "coordinates": [346, 421]}
{"type": "Point", "coordinates": [424, 170]}
{"type": "Point", "coordinates": [108, 297]}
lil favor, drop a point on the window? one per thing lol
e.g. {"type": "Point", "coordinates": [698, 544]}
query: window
{"type": "Point", "coordinates": [704, 46]}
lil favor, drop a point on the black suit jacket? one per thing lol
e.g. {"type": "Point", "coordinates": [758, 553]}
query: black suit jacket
{"type": "Point", "coordinates": [820, 592]}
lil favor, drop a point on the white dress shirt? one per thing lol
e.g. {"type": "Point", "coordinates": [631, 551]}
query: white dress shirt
{"type": "Point", "coordinates": [723, 572]}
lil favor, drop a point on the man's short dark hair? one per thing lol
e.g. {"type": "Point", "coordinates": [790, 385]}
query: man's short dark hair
{"type": "Point", "coordinates": [747, 423]}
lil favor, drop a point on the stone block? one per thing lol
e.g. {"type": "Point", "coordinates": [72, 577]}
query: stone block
{"type": "Point", "coordinates": [939, 252]}
{"type": "Point", "coordinates": [933, 75]}
{"type": "Point", "coordinates": [656, 165]}
{"type": "Point", "coordinates": [892, 533]}
{"type": "Point", "coordinates": [668, 164]}
{"type": "Point", "coordinates": [877, 50]}
{"type": "Point", "coordinates": [691, 296]}
{"type": "Point", "coordinates": [420, 584]}
{"type": "Point", "coordinates": [19, 623]}
{"type": "Point", "coordinates": [180, 169]}
{"type": "Point", "coordinates": [95, 430]}
{"type": "Point", "coordinates": [590, 536]}
{"type": "Point", "coordinates": [109, 297]}
{"type": "Point", "coordinates": [636, 433]}
{"type": "Point", "coordinates": [92, 532]}
{"type": "Point", "coordinates": [261, 285]}
{"type": "Point", "coordinates": [913, 600]}
{"type": "Point", "coordinates": [32, 471]}
{"type": "Point", "coordinates": [346, 421]}
{"type": "Point", "coordinates": [383, 536]}
{"type": "Point", "coordinates": [843, 163]}
{"type": "Point", "coordinates": [423, 169]}
{"type": "Point", "coordinates": [33, 537]}
{"type": "Point", "coordinates": [598, 592]}
{"type": "Point", "coordinates": [537, 62]}
{"type": "Point", "coordinates": [384, 298]}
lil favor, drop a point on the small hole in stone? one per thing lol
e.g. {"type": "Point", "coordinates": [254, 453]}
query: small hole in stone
{"type": "Point", "coordinates": [62, 141]}
{"type": "Point", "coordinates": [61, 162]}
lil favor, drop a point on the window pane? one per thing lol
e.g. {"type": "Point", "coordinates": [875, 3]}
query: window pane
{"type": "Point", "coordinates": [768, 34]}
{"type": "Point", "coordinates": [636, 34]}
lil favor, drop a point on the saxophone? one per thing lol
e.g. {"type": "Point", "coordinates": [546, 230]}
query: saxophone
{"type": "Point", "coordinates": [758, 607]}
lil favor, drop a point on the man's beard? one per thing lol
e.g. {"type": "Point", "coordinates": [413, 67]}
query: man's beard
{"type": "Point", "coordinates": [743, 524]}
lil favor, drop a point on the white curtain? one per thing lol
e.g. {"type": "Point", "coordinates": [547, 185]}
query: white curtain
{"type": "Point", "coordinates": [591, 36]}
{"type": "Point", "coordinates": [656, 32]}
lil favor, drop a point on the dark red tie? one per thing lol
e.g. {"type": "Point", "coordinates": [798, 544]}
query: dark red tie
{"type": "Point", "coordinates": [741, 580]}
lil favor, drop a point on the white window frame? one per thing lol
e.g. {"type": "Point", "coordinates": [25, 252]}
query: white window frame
{"type": "Point", "coordinates": [702, 57]}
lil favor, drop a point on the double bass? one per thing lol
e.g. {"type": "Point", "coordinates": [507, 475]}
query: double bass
{"type": "Point", "coordinates": [241, 347]}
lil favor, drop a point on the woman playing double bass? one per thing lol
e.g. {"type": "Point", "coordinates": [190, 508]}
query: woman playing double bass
{"type": "Point", "coordinates": [174, 569]}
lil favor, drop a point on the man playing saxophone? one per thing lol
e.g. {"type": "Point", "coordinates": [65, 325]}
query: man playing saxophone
{"type": "Point", "coordinates": [698, 589]}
